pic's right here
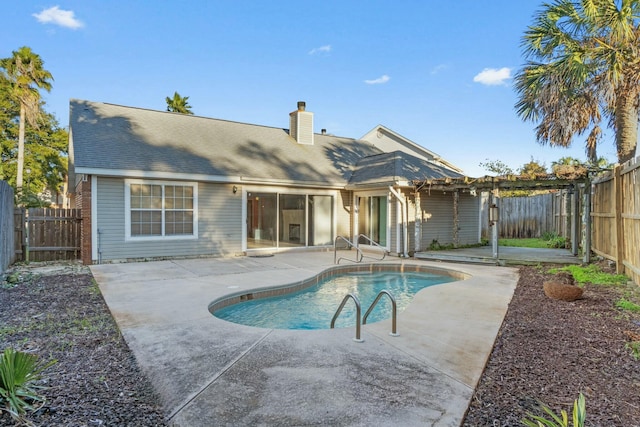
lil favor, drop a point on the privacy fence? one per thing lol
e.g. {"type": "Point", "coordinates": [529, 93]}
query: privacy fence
{"type": "Point", "coordinates": [47, 234]}
{"type": "Point", "coordinates": [615, 214]}
{"type": "Point", "coordinates": [525, 217]}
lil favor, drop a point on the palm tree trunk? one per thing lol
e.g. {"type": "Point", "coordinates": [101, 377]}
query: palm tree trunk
{"type": "Point", "coordinates": [20, 150]}
{"type": "Point", "coordinates": [626, 126]}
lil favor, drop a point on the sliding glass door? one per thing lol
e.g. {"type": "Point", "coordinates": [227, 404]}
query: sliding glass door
{"type": "Point", "coordinates": [279, 220]}
{"type": "Point", "coordinates": [261, 220]}
{"type": "Point", "coordinates": [372, 218]}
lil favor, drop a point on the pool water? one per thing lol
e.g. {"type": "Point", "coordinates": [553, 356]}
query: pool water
{"type": "Point", "coordinates": [314, 307]}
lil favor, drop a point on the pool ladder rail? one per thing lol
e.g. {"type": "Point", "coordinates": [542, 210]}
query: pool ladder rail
{"type": "Point", "coordinates": [355, 299]}
{"type": "Point", "coordinates": [359, 253]}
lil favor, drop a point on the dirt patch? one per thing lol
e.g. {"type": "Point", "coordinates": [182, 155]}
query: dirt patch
{"type": "Point", "coordinates": [57, 312]}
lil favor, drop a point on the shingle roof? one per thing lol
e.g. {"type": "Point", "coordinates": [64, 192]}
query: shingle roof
{"type": "Point", "coordinates": [126, 139]}
{"type": "Point", "coordinates": [397, 166]}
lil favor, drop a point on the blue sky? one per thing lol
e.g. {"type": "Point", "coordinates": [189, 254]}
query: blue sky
{"type": "Point", "coordinates": [439, 73]}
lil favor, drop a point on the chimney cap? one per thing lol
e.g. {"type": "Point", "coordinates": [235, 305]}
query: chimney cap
{"type": "Point", "coordinates": [301, 105]}
{"type": "Point", "coordinates": [323, 131]}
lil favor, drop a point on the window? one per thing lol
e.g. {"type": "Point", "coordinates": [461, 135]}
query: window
{"type": "Point", "coordinates": [158, 210]}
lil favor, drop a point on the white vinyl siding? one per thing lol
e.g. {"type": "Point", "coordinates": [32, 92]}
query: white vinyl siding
{"type": "Point", "coordinates": [437, 222]}
{"type": "Point", "coordinates": [219, 225]}
{"type": "Point", "coordinates": [468, 219]}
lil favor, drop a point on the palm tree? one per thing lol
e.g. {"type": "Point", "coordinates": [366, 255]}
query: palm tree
{"type": "Point", "coordinates": [583, 66]}
{"type": "Point", "coordinates": [26, 75]}
{"type": "Point", "coordinates": [178, 104]}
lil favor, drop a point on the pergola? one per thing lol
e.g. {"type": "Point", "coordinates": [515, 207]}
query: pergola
{"type": "Point", "coordinates": [568, 179]}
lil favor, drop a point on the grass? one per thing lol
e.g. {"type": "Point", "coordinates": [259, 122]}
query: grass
{"type": "Point", "coordinates": [634, 347]}
{"type": "Point", "coordinates": [524, 243]}
{"type": "Point", "coordinates": [74, 324]}
{"type": "Point", "coordinates": [592, 274]}
{"type": "Point", "coordinates": [625, 304]}
{"type": "Point", "coordinates": [628, 303]}
{"type": "Point", "coordinates": [548, 240]}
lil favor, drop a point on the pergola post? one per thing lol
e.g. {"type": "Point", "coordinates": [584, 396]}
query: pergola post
{"type": "Point", "coordinates": [456, 218]}
{"type": "Point", "coordinates": [574, 218]}
{"type": "Point", "coordinates": [495, 208]}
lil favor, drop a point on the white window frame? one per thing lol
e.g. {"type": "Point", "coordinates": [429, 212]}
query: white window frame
{"type": "Point", "coordinates": [127, 210]}
{"type": "Point", "coordinates": [356, 217]}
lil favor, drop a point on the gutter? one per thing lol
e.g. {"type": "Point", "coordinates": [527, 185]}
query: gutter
{"type": "Point", "coordinates": [403, 204]}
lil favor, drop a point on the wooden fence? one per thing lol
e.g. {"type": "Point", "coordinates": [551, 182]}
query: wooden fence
{"type": "Point", "coordinates": [524, 217]}
{"type": "Point", "coordinates": [7, 254]}
{"type": "Point", "coordinates": [615, 213]}
{"type": "Point", "coordinates": [48, 234]}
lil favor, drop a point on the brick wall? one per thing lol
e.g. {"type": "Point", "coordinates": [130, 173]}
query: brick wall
{"type": "Point", "coordinates": [83, 201]}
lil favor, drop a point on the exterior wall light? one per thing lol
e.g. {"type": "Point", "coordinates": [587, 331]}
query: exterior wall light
{"type": "Point", "coordinates": [494, 214]}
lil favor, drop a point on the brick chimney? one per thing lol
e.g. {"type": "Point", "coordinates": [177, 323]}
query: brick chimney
{"type": "Point", "coordinates": [301, 125]}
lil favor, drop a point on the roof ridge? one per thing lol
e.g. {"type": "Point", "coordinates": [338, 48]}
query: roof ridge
{"type": "Point", "coordinates": [194, 116]}
{"type": "Point", "coordinates": [187, 116]}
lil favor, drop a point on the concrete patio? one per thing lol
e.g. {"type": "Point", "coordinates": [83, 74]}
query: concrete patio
{"type": "Point", "coordinates": [211, 372]}
{"type": "Point", "coordinates": [507, 255]}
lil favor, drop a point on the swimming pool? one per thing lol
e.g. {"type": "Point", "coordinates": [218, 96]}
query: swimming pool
{"type": "Point", "coordinates": [313, 306]}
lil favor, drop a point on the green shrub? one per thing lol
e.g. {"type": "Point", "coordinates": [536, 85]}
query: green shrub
{"type": "Point", "coordinates": [437, 246]}
{"type": "Point", "coordinates": [557, 242]}
{"type": "Point", "coordinates": [19, 372]}
{"type": "Point", "coordinates": [562, 420]}
{"type": "Point", "coordinates": [549, 235]}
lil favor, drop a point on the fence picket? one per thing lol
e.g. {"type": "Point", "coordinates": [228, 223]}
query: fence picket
{"type": "Point", "coordinates": [50, 232]}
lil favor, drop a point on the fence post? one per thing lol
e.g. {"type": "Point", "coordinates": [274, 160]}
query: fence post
{"type": "Point", "coordinates": [586, 222]}
{"type": "Point", "coordinates": [617, 185]}
{"type": "Point", "coordinates": [21, 232]}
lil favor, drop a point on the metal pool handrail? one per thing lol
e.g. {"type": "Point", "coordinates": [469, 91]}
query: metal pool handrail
{"type": "Point", "coordinates": [358, 311]}
{"type": "Point", "coordinates": [393, 332]}
{"type": "Point", "coordinates": [374, 244]}
{"type": "Point", "coordinates": [336, 260]}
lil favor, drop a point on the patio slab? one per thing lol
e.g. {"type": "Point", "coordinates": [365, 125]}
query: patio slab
{"type": "Point", "coordinates": [211, 372]}
{"type": "Point", "coordinates": [507, 255]}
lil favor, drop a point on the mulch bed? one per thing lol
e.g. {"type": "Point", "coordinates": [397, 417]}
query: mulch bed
{"type": "Point", "coordinates": [96, 380]}
{"type": "Point", "coordinates": [547, 351]}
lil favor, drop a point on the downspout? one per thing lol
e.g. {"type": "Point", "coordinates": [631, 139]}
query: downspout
{"type": "Point", "coordinates": [403, 204]}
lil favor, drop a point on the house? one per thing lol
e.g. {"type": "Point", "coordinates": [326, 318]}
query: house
{"type": "Point", "coordinates": [155, 184]}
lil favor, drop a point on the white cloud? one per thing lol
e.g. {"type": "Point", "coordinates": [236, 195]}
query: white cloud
{"type": "Point", "coordinates": [322, 49]}
{"type": "Point", "coordinates": [493, 76]}
{"type": "Point", "coordinates": [380, 80]}
{"type": "Point", "coordinates": [438, 68]}
{"type": "Point", "coordinates": [55, 15]}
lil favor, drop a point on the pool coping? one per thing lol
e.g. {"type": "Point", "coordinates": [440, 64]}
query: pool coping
{"type": "Point", "coordinates": [281, 290]}
{"type": "Point", "coordinates": [205, 368]}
